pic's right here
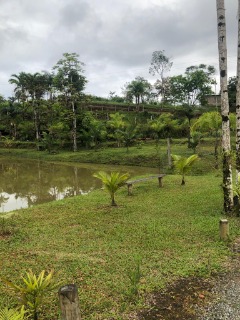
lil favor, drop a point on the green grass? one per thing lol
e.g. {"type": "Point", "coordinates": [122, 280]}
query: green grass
{"type": "Point", "coordinates": [147, 156]}
{"type": "Point", "coordinates": [172, 230]}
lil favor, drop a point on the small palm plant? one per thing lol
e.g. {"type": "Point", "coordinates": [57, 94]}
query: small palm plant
{"type": "Point", "coordinates": [12, 314]}
{"type": "Point", "coordinates": [31, 292]}
{"type": "Point", "coordinates": [183, 165]}
{"type": "Point", "coordinates": [112, 182]}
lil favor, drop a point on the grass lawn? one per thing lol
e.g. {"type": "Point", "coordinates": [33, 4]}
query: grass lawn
{"type": "Point", "coordinates": [147, 155]}
{"type": "Point", "coordinates": [171, 232]}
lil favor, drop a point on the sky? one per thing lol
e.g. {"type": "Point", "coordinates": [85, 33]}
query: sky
{"type": "Point", "coordinates": [114, 38]}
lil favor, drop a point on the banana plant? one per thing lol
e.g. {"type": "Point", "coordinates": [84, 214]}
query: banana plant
{"type": "Point", "coordinates": [112, 182]}
{"type": "Point", "coordinates": [30, 294]}
{"type": "Point", "coordinates": [183, 165]}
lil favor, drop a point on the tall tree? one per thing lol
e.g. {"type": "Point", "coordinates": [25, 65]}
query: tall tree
{"type": "Point", "coordinates": [139, 90]}
{"type": "Point", "coordinates": [238, 103]}
{"type": "Point", "coordinates": [191, 88]}
{"type": "Point", "coordinates": [70, 83]}
{"type": "Point", "coordinates": [226, 146]}
{"type": "Point", "coordinates": [20, 83]}
{"type": "Point", "coordinates": [160, 64]}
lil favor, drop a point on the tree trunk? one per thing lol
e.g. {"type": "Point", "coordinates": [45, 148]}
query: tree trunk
{"type": "Point", "coordinates": [113, 201]}
{"type": "Point", "coordinates": [238, 104]}
{"type": "Point", "coordinates": [226, 146]}
{"type": "Point", "coordinates": [169, 152]}
{"type": "Point", "coordinates": [36, 125]}
{"type": "Point", "coordinates": [74, 129]}
{"type": "Point", "coordinates": [183, 181]}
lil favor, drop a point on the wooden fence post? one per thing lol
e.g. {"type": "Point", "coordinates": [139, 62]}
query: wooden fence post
{"type": "Point", "coordinates": [69, 302]}
{"type": "Point", "coordinates": [224, 229]}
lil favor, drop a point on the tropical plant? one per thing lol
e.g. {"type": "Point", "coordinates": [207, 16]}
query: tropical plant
{"type": "Point", "coordinates": [195, 140]}
{"type": "Point", "coordinates": [138, 89]}
{"type": "Point", "coordinates": [116, 124]}
{"type": "Point", "coordinates": [112, 182]}
{"type": "Point", "coordinates": [183, 165]}
{"type": "Point", "coordinates": [135, 276]}
{"type": "Point", "coordinates": [165, 126]}
{"type": "Point", "coordinates": [30, 294]}
{"type": "Point", "coordinates": [12, 314]}
{"type": "Point", "coordinates": [210, 122]}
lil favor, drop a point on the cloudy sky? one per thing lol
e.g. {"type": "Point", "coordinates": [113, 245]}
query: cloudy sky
{"type": "Point", "coordinates": [114, 38]}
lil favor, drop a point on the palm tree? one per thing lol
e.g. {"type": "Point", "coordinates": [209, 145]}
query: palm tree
{"type": "Point", "coordinates": [20, 83]}
{"type": "Point", "coordinates": [116, 125]}
{"type": "Point", "coordinates": [183, 165]}
{"type": "Point", "coordinates": [210, 122]}
{"type": "Point", "coordinates": [112, 182]}
{"type": "Point", "coordinates": [226, 145]}
{"type": "Point", "coordinates": [164, 126]}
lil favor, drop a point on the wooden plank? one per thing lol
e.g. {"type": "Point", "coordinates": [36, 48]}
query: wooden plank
{"type": "Point", "coordinates": [145, 179]}
{"type": "Point", "coordinates": [131, 182]}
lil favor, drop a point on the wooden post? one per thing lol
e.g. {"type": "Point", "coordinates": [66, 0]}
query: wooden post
{"type": "Point", "coordinates": [69, 302]}
{"type": "Point", "coordinates": [224, 229]}
{"type": "Point", "coordinates": [160, 182]}
{"type": "Point", "coordinates": [129, 189]}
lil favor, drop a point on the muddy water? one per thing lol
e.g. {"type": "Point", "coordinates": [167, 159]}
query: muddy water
{"type": "Point", "coordinates": [24, 183]}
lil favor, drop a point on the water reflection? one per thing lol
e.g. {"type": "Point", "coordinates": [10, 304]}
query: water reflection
{"type": "Point", "coordinates": [26, 183]}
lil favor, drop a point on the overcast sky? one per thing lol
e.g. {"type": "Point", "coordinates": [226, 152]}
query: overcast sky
{"type": "Point", "coordinates": [114, 38]}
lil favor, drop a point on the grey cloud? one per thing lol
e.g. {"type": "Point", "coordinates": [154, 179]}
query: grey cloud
{"type": "Point", "coordinates": [112, 37]}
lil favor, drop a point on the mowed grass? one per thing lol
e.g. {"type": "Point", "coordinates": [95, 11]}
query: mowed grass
{"type": "Point", "coordinates": [148, 154]}
{"type": "Point", "coordinates": [172, 230]}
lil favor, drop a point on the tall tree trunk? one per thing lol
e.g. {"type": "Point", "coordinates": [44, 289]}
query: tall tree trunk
{"type": "Point", "coordinates": [169, 152]}
{"type": "Point", "coordinates": [226, 146]}
{"type": "Point", "coordinates": [36, 125]}
{"type": "Point", "coordinates": [238, 104]}
{"type": "Point", "coordinates": [74, 129]}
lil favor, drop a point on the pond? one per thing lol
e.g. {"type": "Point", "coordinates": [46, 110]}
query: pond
{"type": "Point", "coordinates": [24, 183]}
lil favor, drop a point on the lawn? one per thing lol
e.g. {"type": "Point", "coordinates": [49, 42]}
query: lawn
{"type": "Point", "coordinates": [169, 232]}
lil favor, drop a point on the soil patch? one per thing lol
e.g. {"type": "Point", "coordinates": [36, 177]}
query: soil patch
{"type": "Point", "coordinates": [178, 301]}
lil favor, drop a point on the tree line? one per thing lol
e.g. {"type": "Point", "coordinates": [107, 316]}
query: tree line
{"type": "Point", "coordinates": [48, 107]}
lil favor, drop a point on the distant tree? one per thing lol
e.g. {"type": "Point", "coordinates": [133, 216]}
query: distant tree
{"type": "Point", "coordinates": [20, 83]}
{"type": "Point", "coordinates": [70, 83]}
{"type": "Point", "coordinates": [116, 125]}
{"type": "Point", "coordinates": [160, 64]}
{"type": "Point", "coordinates": [165, 126]}
{"type": "Point", "coordinates": [29, 90]}
{"type": "Point", "coordinates": [93, 131]}
{"type": "Point", "coordinates": [138, 90]}
{"type": "Point", "coordinates": [210, 123]}
{"type": "Point", "coordinates": [129, 134]}
{"type": "Point", "coordinates": [192, 87]}
{"type": "Point", "coordinates": [115, 98]}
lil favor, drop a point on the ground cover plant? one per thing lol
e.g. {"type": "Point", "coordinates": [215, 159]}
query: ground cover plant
{"type": "Point", "coordinates": [162, 233]}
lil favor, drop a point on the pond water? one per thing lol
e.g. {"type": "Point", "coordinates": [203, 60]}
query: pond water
{"type": "Point", "coordinates": [24, 183]}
